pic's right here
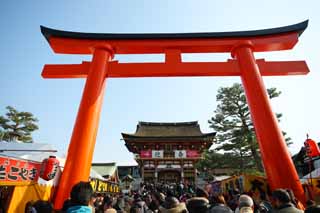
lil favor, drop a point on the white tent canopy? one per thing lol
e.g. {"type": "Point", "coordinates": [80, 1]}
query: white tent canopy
{"type": "Point", "coordinates": [28, 151]}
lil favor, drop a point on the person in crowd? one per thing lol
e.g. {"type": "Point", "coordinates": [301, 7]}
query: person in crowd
{"type": "Point", "coordinates": [80, 196]}
{"type": "Point", "coordinates": [92, 202]}
{"type": "Point", "coordinates": [200, 202]}
{"type": "Point", "coordinates": [108, 208]}
{"type": "Point", "coordinates": [99, 203]}
{"type": "Point", "coordinates": [202, 193]}
{"type": "Point", "coordinates": [281, 202]}
{"type": "Point", "coordinates": [147, 199]}
{"type": "Point", "coordinates": [28, 207]}
{"type": "Point", "coordinates": [128, 202]}
{"type": "Point", "coordinates": [264, 206]}
{"type": "Point", "coordinates": [310, 203]}
{"type": "Point", "coordinates": [41, 206]}
{"type": "Point", "coordinates": [232, 199]}
{"type": "Point", "coordinates": [183, 198]}
{"type": "Point", "coordinates": [219, 205]}
{"type": "Point", "coordinates": [313, 209]}
{"type": "Point", "coordinates": [197, 205]}
{"type": "Point", "coordinates": [245, 202]}
{"type": "Point", "coordinates": [139, 206]}
{"type": "Point", "coordinates": [172, 205]}
{"type": "Point", "coordinates": [119, 203]}
{"type": "Point", "coordinates": [294, 200]}
{"type": "Point", "coordinates": [158, 199]}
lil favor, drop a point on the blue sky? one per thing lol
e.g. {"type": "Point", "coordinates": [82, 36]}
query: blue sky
{"type": "Point", "coordinates": [55, 102]}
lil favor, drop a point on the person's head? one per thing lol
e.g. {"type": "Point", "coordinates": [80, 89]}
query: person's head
{"type": "Point", "coordinates": [81, 193]}
{"type": "Point", "coordinates": [220, 199]}
{"type": "Point", "coordinates": [158, 198]}
{"type": "Point", "coordinates": [292, 197]}
{"type": "Point", "coordinates": [310, 203]}
{"type": "Point", "coordinates": [245, 204]}
{"type": "Point", "coordinates": [280, 197]}
{"type": "Point", "coordinates": [28, 208]}
{"type": "Point", "coordinates": [202, 193]}
{"type": "Point", "coordinates": [245, 201]}
{"type": "Point", "coordinates": [172, 205]}
{"type": "Point", "coordinates": [42, 206]}
{"type": "Point", "coordinates": [265, 207]}
{"type": "Point", "coordinates": [170, 202]}
{"type": "Point", "coordinates": [107, 201]}
{"type": "Point", "coordinates": [137, 197]}
{"type": "Point", "coordinates": [147, 198]}
{"type": "Point", "coordinates": [93, 199]}
{"type": "Point", "coordinates": [197, 205]}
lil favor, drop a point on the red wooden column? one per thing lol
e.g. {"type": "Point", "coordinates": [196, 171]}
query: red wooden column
{"type": "Point", "coordinates": [80, 152]}
{"type": "Point", "coordinates": [277, 162]}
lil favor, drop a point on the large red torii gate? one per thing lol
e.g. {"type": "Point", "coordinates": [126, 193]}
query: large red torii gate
{"type": "Point", "coordinates": [277, 162]}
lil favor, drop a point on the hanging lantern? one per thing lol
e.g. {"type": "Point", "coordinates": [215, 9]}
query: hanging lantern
{"type": "Point", "coordinates": [49, 168]}
{"type": "Point", "coordinates": [312, 148]}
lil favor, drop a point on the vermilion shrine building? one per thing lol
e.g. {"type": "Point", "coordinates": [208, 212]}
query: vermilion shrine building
{"type": "Point", "coordinates": [168, 152]}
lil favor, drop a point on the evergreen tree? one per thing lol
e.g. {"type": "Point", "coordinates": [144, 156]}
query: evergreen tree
{"type": "Point", "coordinates": [234, 127]}
{"type": "Point", "coordinates": [17, 126]}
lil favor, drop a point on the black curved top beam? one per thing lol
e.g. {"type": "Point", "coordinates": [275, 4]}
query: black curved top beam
{"type": "Point", "coordinates": [298, 28]}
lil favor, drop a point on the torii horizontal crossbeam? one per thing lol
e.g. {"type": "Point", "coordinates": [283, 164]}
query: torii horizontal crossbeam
{"type": "Point", "coordinates": [183, 69]}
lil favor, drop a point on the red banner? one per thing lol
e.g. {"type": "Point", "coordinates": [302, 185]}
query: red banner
{"type": "Point", "coordinates": [18, 171]}
{"type": "Point", "coordinates": [193, 154]}
{"type": "Point", "coordinates": [146, 154]}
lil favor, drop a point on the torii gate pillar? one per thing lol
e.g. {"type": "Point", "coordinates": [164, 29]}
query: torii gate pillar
{"type": "Point", "coordinates": [84, 133]}
{"type": "Point", "coordinates": [275, 155]}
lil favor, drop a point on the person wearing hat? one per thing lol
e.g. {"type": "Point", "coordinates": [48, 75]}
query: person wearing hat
{"type": "Point", "coordinates": [172, 205]}
{"type": "Point", "coordinates": [246, 204]}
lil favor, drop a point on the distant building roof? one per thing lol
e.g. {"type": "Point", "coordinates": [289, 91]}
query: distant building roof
{"type": "Point", "coordinates": [105, 169]}
{"type": "Point", "coordinates": [152, 130]}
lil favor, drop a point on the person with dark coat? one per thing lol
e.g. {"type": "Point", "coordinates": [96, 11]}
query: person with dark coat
{"type": "Point", "coordinates": [158, 199]}
{"type": "Point", "coordinates": [281, 202]}
{"type": "Point", "coordinates": [219, 205]}
{"type": "Point", "coordinates": [139, 206]}
{"type": "Point", "coordinates": [313, 209]}
{"type": "Point", "coordinates": [42, 206]}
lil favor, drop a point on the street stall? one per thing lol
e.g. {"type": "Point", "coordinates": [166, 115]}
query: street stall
{"type": "Point", "coordinates": [240, 184]}
{"type": "Point", "coordinates": [104, 186]}
{"type": "Point", "coordinates": [27, 173]}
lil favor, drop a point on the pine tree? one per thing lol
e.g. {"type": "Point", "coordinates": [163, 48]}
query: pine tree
{"type": "Point", "coordinates": [17, 126]}
{"type": "Point", "coordinates": [234, 127]}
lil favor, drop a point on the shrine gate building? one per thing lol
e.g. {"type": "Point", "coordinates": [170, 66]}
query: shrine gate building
{"type": "Point", "coordinates": [168, 152]}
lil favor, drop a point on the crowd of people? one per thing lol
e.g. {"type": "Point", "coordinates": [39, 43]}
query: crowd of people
{"type": "Point", "coordinates": [176, 198]}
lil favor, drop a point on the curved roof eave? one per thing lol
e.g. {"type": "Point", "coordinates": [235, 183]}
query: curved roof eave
{"type": "Point", "coordinates": [49, 32]}
{"type": "Point", "coordinates": [132, 136]}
